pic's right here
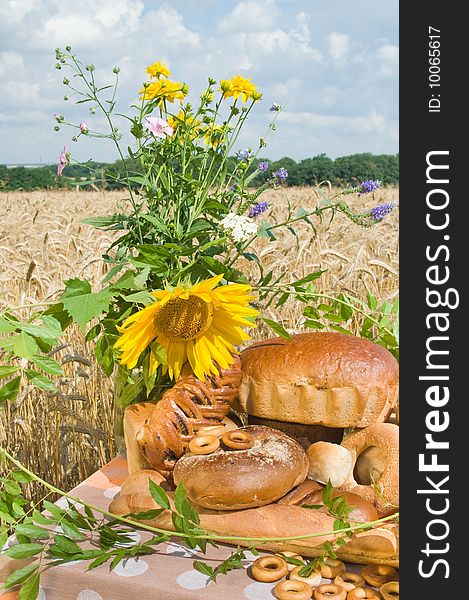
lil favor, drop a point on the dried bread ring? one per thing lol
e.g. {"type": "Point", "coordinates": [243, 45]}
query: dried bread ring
{"type": "Point", "coordinates": [204, 444]}
{"type": "Point", "coordinates": [390, 590]}
{"type": "Point", "coordinates": [292, 589]}
{"type": "Point", "coordinates": [217, 430]}
{"type": "Point", "coordinates": [331, 568]}
{"type": "Point", "coordinates": [269, 568]}
{"type": "Point", "coordinates": [377, 575]}
{"type": "Point", "coordinates": [349, 581]}
{"type": "Point", "coordinates": [313, 580]}
{"type": "Point", "coordinates": [237, 439]}
{"type": "Point", "coordinates": [288, 554]}
{"type": "Point", "coordinates": [378, 447]}
{"type": "Point", "coordinates": [330, 591]}
{"type": "Point", "coordinates": [363, 593]}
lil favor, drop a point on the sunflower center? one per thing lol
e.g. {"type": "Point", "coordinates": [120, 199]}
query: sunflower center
{"type": "Point", "coordinates": [184, 319]}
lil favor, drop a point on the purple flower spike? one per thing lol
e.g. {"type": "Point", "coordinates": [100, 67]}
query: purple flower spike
{"type": "Point", "coordinates": [263, 166]}
{"type": "Point", "coordinates": [244, 154]}
{"type": "Point", "coordinates": [258, 209]}
{"type": "Point", "coordinates": [281, 174]}
{"type": "Point", "coordinates": [275, 107]}
{"type": "Point", "coordinates": [368, 186]}
{"type": "Point", "coordinates": [379, 212]}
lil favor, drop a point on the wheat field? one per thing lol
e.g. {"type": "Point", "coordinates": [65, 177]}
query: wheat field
{"type": "Point", "coordinates": [66, 436]}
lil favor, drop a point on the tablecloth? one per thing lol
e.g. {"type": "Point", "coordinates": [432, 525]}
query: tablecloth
{"type": "Point", "coordinates": [166, 575]}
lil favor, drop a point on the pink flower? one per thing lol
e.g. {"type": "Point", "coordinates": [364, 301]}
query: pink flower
{"type": "Point", "coordinates": [63, 161]}
{"type": "Point", "coordinates": [84, 127]}
{"type": "Point", "coordinates": [159, 127]}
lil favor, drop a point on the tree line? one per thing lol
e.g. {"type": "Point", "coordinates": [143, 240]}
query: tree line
{"type": "Point", "coordinates": [343, 171]}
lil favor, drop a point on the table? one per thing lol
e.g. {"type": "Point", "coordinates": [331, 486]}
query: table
{"type": "Point", "coordinates": [167, 575]}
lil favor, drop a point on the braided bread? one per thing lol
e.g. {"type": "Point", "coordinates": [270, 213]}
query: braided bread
{"type": "Point", "coordinates": [189, 405]}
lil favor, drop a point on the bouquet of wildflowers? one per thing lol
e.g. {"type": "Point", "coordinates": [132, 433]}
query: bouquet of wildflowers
{"type": "Point", "coordinates": [174, 292]}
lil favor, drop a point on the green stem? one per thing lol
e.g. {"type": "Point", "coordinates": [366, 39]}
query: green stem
{"type": "Point", "coordinates": [214, 537]}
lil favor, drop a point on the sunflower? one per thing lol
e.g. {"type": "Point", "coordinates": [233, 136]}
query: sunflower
{"type": "Point", "coordinates": [198, 323]}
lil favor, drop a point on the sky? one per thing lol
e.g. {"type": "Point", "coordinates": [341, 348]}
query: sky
{"type": "Point", "coordinates": [331, 64]}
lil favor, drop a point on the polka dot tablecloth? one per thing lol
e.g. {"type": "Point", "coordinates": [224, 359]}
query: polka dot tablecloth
{"type": "Point", "coordinates": [166, 575]}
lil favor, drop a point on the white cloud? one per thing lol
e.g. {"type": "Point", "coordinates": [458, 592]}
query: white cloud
{"type": "Point", "coordinates": [250, 17]}
{"type": "Point", "coordinates": [339, 44]}
{"type": "Point", "coordinates": [167, 24]}
{"type": "Point", "coordinates": [14, 11]}
{"type": "Point", "coordinates": [287, 48]}
{"type": "Point", "coordinates": [388, 60]}
{"type": "Point", "coordinates": [11, 64]}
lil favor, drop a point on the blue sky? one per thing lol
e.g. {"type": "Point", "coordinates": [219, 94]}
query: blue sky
{"type": "Point", "coordinates": [333, 64]}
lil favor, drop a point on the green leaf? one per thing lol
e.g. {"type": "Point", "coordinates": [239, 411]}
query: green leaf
{"type": "Point", "coordinates": [66, 545]}
{"type": "Point", "coordinates": [99, 561]}
{"type": "Point", "coordinates": [19, 576]}
{"type": "Point", "coordinates": [21, 476]}
{"type": "Point", "coordinates": [146, 515]}
{"type": "Point", "coordinates": [41, 519]}
{"type": "Point", "coordinates": [11, 487]}
{"type": "Point", "coordinates": [54, 510]}
{"type": "Point", "coordinates": [159, 495]}
{"type": "Point", "coordinates": [24, 550]}
{"type": "Point", "coordinates": [277, 328]}
{"type": "Point", "coordinates": [22, 344]}
{"type": "Point", "coordinates": [47, 364]}
{"type": "Point", "coordinates": [32, 531]}
{"type": "Point", "coordinates": [40, 381]}
{"type": "Point", "coordinates": [312, 506]}
{"type": "Point", "coordinates": [71, 531]}
{"type": "Point", "coordinates": [5, 371]}
{"type": "Point", "coordinates": [82, 304]}
{"type": "Point", "coordinates": [372, 301]}
{"type": "Point", "coordinates": [203, 568]}
{"type": "Point", "coordinates": [183, 506]}
{"type": "Point", "coordinates": [308, 278]}
{"type": "Point", "coordinates": [142, 297]}
{"type": "Point", "coordinates": [327, 493]}
{"type": "Point", "coordinates": [105, 221]}
{"type": "Point", "coordinates": [6, 326]}
{"type": "Point", "coordinates": [10, 390]}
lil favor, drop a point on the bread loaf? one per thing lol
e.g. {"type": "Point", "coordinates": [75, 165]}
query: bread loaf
{"type": "Point", "coordinates": [235, 479]}
{"type": "Point", "coordinates": [376, 546]}
{"type": "Point", "coordinates": [330, 379]}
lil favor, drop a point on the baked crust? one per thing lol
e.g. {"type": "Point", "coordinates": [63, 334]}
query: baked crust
{"type": "Point", "coordinates": [324, 378]}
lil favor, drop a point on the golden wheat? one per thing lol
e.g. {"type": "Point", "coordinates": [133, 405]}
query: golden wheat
{"type": "Point", "coordinates": [64, 437]}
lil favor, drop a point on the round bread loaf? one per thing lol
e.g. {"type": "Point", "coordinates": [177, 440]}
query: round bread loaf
{"type": "Point", "coordinates": [235, 479]}
{"type": "Point", "coordinates": [329, 462]}
{"type": "Point", "coordinates": [375, 476]}
{"type": "Point", "coordinates": [330, 379]}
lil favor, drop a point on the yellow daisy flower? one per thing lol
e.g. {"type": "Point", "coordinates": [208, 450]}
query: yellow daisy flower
{"type": "Point", "coordinates": [193, 124]}
{"type": "Point", "coordinates": [200, 324]}
{"type": "Point", "coordinates": [239, 86]}
{"type": "Point", "coordinates": [164, 89]}
{"type": "Point", "coordinates": [158, 69]}
{"type": "Point", "coordinates": [214, 136]}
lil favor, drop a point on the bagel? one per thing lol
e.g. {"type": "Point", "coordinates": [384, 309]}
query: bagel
{"type": "Point", "coordinates": [375, 474]}
{"type": "Point", "coordinates": [235, 479]}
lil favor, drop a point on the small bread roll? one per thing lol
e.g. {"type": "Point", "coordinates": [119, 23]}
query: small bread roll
{"type": "Point", "coordinates": [329, 461]}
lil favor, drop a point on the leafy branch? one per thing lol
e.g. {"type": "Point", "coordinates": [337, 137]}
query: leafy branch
{"type": "Point", "coordinates": [110, 536]}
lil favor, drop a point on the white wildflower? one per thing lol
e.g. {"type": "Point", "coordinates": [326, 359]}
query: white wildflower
{"type": "Point", "coordinates": [238, 227]}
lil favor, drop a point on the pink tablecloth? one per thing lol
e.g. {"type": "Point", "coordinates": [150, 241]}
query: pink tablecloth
{"type": "Point", "coordinates": [167, 575]}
